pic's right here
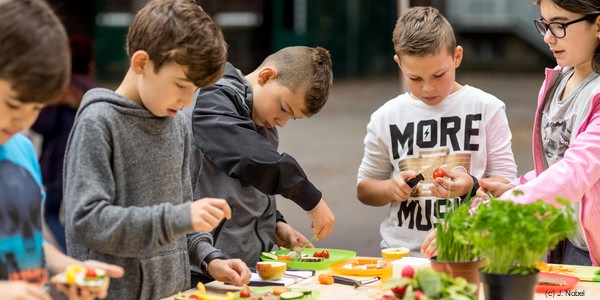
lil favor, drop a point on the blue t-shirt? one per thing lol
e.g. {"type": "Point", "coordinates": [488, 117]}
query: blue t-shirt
{"type": "Point", "coordinates": [21, 252]}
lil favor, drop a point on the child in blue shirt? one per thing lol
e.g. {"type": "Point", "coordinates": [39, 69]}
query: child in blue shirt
{"type": "Point", "coordinates": [34, 70]}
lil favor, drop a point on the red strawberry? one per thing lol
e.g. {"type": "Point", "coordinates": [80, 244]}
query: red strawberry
{"type": "Point", "coordinates": [408, 271]}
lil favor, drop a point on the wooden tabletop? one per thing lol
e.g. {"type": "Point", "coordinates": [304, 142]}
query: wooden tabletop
{"type": "Point", "coordinates": [584, 289]}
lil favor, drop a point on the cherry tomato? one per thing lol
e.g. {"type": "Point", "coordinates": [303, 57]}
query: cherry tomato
{"type": "Point", "coordinates": [245, 293]}
{"type": "Point", "coordinates": [318, 254]}
{"type": "Point", "coordinates": [90, 273]}
{"type": "Point", "coordinates": [325, 253]}
{"type": "Point", "coordinates": [194, 297]}
{"type": "Point", "coordinates": [439, 173]}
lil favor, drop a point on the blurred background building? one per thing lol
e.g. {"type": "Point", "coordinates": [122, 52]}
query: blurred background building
{"type": "Point", "coordinates": [496, 34]}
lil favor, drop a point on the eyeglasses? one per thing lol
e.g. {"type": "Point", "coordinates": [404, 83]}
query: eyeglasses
{"type": "Point", "coordinates": [558, 29]}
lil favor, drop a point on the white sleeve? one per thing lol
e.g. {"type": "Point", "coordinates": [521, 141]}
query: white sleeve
{"type": "Point", "coordinates": [501, 161]}
{"type": "Point", "coordinates": [376, 159]}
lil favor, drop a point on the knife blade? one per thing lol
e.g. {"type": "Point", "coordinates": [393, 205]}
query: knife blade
{"type": "Point", "coordinates": [355, 283]}
{"type": "Point", "coordinates": [425, 173]}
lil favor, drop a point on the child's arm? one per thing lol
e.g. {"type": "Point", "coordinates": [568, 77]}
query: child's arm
{"type": "Point", "coordinates": [377, 192]}
{"type": "Point", "coordinates": [21, 290]}
{"type": "Point", "coordinates": [228, 136]}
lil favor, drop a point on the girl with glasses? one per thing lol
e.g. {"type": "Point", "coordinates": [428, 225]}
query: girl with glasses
{"type": "Point", "coordinates": [566, 133]}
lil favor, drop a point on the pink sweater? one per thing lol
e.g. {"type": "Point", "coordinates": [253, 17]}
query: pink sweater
{"type": "Point", "coordinates": [576, 177]}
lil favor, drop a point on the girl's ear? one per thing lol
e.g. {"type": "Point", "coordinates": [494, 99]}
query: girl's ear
{"type": "Point", "coordinates": [266, 74]}
{"type": "Point", "coordinates": [139, 61]}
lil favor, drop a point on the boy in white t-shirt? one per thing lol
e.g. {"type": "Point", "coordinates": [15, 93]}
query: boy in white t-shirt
{"type": "Point", "coordinates": [438, 117]}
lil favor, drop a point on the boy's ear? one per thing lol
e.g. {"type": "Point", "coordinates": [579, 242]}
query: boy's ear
{"type": "Point", "coordinates": [397, 59]}
{"type": "Point", "coordinates": [458, 56]}
{"type": "Point", "coordinates": [139, 61]}
{"type": "Point", "coordinates": [597, 23]}
{"type": "Point", "coordinates": [266, 74]}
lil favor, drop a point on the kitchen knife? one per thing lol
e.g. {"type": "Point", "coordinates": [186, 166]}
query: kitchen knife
{"type": "Point", "coordinates": [426, 173]}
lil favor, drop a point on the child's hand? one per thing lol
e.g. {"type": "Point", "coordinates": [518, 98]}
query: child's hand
{"type": "Point", "coordinates": [495, 186]}
{"type": "Point", "coordinates": [399, 189]}
{"type": "Point", "coordinates": [78, 291]}
{"type": "Point", "coordinates": [429, 247]}
{"type": "Point", "coordinates": [321, 220]}
{"type": "Point", "coordinates": [453, 184]}
{"type": "Point", "coordinates": [288, 237]}
{"type": "Point", "coordinates": [13, 290]}
{"type": "Point", "coordinates": [233, 271]}
{"type": "Point", "coordinates": [207, 213]}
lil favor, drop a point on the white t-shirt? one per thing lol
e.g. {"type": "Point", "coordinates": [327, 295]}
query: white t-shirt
{"type": "Point", "coordinates": [469, 129]}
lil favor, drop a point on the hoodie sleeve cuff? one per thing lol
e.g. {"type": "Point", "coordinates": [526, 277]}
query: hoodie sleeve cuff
{"type": "Point", "coordinates": [307, 197]}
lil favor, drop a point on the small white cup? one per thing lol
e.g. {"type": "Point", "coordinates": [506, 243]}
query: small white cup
{"type": "Point", "coordinates": [415, 262]}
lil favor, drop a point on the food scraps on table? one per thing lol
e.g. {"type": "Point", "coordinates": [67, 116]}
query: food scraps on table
{"type": "Point", "coordinates": [312, 259]}
{"type": "Point", "coordinates": [550, 281]}
{"type": "Point", "coordinates": [544, 267]}
{"type": "Point", "coordinates": [365, 264]}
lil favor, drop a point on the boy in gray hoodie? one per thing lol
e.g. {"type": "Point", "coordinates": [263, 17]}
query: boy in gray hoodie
{"type": "Point", "coordinates": [127, 190]}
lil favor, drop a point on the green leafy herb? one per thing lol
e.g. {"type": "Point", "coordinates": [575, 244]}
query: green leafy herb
{"type": "Point", "coordinates": [513, 237]}
{"type": "Point", "coordinates": [452, 240]}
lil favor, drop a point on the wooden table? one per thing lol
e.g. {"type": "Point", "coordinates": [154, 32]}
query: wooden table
{"type": "Point", "coordinates": [590, 290]}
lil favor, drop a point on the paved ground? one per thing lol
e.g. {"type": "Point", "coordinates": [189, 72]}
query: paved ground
{"type": "Point", "coordinates": [329, 146]}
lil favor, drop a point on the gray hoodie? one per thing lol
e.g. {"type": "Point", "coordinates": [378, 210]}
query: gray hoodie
{"type": "Point", "coordinates": [127, 196]}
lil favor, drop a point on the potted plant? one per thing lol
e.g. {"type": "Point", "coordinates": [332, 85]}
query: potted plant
{"type": "Point", "coordinates": [455, 255]}
{"type": "Point", "coordinates": [511, 238]}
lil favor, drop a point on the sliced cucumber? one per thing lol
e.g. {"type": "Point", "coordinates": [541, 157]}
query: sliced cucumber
{"type": "Point", "coordinates": [306, 292]}
{"type": "Point", "coordinates": [269, 255]}
{"type": "Point", "coordinates": [291, 295]}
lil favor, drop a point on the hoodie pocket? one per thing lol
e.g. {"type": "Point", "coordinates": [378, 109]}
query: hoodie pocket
{"type": "Point", "coordinates": [164, 274]}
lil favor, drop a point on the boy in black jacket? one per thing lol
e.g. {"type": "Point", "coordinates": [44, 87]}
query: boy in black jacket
{"type": "Point", "coordinates": [234, 150]}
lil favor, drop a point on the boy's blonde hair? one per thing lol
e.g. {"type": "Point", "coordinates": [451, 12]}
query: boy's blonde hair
{"type": "Point", "coordinates": [34, 50]}
{"type": "Point", "coordinates": [422, 31]}
{"type": "Point", "coordinates": [180, 31]}
{"type": "Point", "coordinates": [304, 69]}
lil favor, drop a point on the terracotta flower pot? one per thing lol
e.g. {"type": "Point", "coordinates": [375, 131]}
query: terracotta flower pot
{"type": "Point", "coordinates": [509, 287]}
{"type": "Point", "coordinates": [466, 270]}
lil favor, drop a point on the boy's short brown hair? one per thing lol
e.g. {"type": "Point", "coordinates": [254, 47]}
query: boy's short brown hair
{"type": "Point", "coordinates": [34, 50]}
{"type": "Point", "coordinates": [304, 69]}
{"type": "Point", "coordinates": [180, 31]}
{"type": "Point", "coordinates": [422, 31]}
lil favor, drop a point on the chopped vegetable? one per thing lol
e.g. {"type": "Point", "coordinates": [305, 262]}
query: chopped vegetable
{"type": "Point", "coordinates": [325, 278]}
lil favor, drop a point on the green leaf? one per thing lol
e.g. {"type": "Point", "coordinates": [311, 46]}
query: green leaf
{"type": "Point", "coordinates": [430, 283]}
